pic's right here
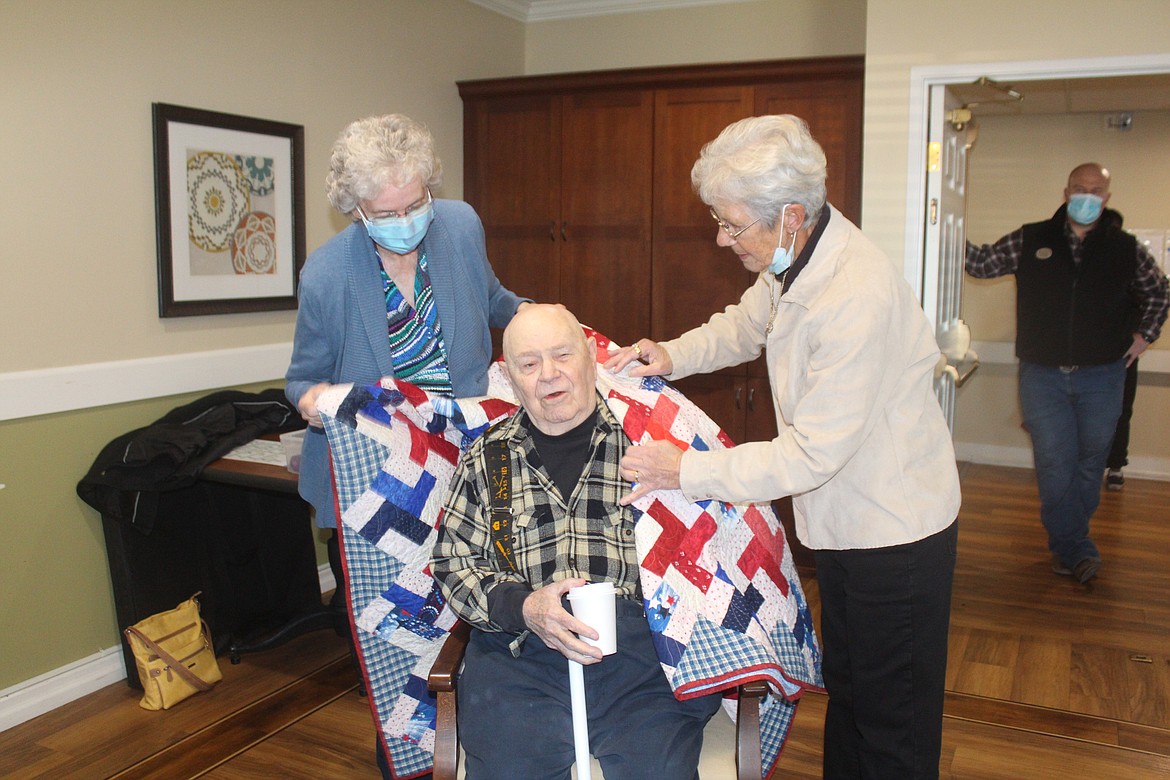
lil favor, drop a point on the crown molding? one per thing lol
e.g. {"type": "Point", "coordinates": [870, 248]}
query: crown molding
{"type": "Point", "coordinates": [545, 10]}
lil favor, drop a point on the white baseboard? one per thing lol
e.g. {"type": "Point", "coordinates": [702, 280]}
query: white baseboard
{"type": "Point", "coordinates": [32, 698]}
{"type": "Point", "coordinates": [1021, 457]}
{"type": "Point", "coordinates": [25, 701]}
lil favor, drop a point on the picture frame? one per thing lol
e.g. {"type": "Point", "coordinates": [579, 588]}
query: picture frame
{"type": "Point", "coordinates": [229, 211]}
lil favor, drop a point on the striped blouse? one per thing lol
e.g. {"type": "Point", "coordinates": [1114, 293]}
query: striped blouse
{"type": "Point", "coordinates": [416, 338]}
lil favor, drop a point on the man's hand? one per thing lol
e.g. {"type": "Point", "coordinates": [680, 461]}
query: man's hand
{"type": "Point", "coordinates": [556, 626]}
{"type": "Point", "coordinates": [651, 466]}
{"type": "Point", "coordinates": [307, 406]}
{"type": "Point", "coordinates": [1136, 349]}
{"type": "Point", "coordinates": [656, 360]}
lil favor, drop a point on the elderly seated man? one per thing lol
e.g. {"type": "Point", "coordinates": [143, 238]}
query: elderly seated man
{"type": "Point", "coordinates": [559, 456]}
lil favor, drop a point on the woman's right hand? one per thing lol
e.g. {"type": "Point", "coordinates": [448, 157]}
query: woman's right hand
{"type": "Point", "coordinates": [307, 406]}
{"type": "Point", "coordinates": [655, 361]}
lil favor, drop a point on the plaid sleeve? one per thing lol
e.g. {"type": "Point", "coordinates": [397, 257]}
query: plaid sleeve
{"type": "Point", "coordinates": [1150, 290]}
{"type": "Point", "coordinates": [998, 259]}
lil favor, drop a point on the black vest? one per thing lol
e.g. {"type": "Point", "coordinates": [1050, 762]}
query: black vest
{"type": "Point", "coordinates": [1069, 314]}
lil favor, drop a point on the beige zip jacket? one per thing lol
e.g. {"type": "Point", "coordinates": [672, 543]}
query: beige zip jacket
{"type": "Point", "coordinates": [863, 447]}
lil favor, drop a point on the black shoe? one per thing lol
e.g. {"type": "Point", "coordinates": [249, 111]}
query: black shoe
{"type": "Point", "coordinates": [1060, 568]}
{"type": "Point", "coordinates": [1086, 569]}
{"type": "Point", "coordinates": [1114, 480]}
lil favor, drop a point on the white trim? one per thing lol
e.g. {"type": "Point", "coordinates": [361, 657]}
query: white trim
{"type": "Point", "coordinates": [545, 10]}
{"type": "Point", "coordinates": [33, 698]}
{"type": "Point", "coordinates": [994, 454]}
{"type": "Point", "coordinates": [68, 388]}
{"type": "Point", "coordinates": [1021, 457]}
{"type": "Point", "coordinates": [923, 77]}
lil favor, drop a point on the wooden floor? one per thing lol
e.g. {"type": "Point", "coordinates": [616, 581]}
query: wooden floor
{"type": "Point", "coordinates": [1046, 677]}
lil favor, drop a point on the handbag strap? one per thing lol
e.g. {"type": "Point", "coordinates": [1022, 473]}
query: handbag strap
{"type": "Point", "coordinates": [171, 661]}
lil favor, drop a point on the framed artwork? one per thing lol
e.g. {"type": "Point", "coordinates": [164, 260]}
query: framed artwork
{"type": "Point", "coordinates": [229, 212]}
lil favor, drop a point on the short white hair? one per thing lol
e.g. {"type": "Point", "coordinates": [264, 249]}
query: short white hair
{"type": "Point", "coordinates": [763, 163]}
{"type": "Point", "coordinates": [378, 151]}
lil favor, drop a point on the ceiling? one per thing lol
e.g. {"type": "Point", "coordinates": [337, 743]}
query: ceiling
{"type": "Point", "coordinates": [1102, 95]}
{"type": "Point", "coordinates": [543, 10]}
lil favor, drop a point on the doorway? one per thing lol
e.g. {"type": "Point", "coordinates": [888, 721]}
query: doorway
{"type": "Point", "coordinates": [1056, 96]}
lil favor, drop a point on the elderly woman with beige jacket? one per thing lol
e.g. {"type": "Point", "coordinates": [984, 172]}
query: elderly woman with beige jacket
{"type": "Point", "coordinates": [862, 448]}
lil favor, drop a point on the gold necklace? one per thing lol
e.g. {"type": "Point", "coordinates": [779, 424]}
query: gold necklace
{"type": "Point", "coordinates": [774, 302]}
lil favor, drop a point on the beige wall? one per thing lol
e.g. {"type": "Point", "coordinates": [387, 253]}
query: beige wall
{"type": "Point", "coordinates": [902, 34]}
{"type": "Point", "coordinates": [77, 86]}
{"type": "Point", "coordinates": [732, 32]}
{"type": "Point", "coordinates": [77, 238]}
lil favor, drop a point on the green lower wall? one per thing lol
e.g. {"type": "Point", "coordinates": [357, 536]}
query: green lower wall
{"type": "Point", "coordinates": [58, 604]}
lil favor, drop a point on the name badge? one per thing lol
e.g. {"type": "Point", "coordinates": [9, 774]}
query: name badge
{"type": "Point", "coordinates": [1043, 253]}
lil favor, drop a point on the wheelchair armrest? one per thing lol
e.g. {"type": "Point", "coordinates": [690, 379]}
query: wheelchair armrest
{"type": "Point", "coordinates": [748, 761]}
{"type": "Point", "coordinates": [441, 681]}
{"type": "Point", "coordinates": [447, 662]}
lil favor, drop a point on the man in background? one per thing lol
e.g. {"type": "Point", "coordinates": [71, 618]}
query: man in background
{"type": "Point", "coordinates": [1077, 276]}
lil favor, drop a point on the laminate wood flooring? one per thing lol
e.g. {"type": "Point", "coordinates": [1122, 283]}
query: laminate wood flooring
{"type": "Point", "coordinates": [1047, 678]}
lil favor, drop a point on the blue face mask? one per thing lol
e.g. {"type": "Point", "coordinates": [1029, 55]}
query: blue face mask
{"type": "Point", "coordinates": [782, 258]}
{"type": "Point", "coordinates": [1084, 208]}
{"type": "Point", "coordinates": [401, 235]}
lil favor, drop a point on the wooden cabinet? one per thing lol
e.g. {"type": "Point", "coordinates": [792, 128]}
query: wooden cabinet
{"type": "Point", "coordinates": [564, 191]}
{"type": "Point", "coordinates": [583, 185]}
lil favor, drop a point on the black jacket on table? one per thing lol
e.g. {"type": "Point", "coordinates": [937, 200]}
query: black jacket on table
{"type": "Point", "coordinates": [1075, 314]}
{"type": "Point", "coordinates": [128, 474]}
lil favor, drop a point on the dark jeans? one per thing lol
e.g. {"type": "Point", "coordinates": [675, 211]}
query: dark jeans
{"type": "Point", "coordinates": [1071, 416]}
{"type": "Point", "coordinates": [1119, 452]}
{"type": "Point", "coordinates": [885, 613]}
{"type": "Point", "coordinates": [515, 716]}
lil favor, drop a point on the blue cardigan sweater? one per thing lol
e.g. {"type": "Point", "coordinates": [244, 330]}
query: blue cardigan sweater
{"type": "Point", "coordinates": [341, 333]}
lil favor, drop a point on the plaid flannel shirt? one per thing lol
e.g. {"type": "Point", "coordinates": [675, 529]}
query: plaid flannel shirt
{"type": "Point", "coordinates": [1149, 286]}
{"type": "Point", "coordinates": [586, 535]}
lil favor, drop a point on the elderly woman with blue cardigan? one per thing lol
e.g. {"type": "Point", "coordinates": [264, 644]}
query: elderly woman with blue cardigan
{"type": "Point", "coordinates": [404, 291]}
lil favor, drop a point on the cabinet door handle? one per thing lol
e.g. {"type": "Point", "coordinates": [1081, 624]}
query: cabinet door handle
{"type": "Point", "coordinates": [564, 228]}
{"type": "Point", "coordinates": [552, 230]}
{"type": "Point", "coordinates": [738, 397]}
{"type": "Point", "coordinates": [752, 400]}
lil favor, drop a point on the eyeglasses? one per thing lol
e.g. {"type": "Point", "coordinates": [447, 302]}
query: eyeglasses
{"type": "Point", "coordinates": [409, 211]}
{"type": "Point", "coordinates": [732, 232]}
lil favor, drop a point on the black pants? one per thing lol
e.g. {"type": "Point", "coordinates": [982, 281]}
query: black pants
{"type": "Point", "coordinates": [885, 614]}
{"type": "Point", "coordinates": [1119, 452]}
{"type": "Point", "coordinates": [515, 716]}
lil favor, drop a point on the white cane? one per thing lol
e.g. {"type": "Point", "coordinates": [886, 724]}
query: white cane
{"type": "Point", "coordinates": [580, 720]}
{"type": "Point", "coordinates": [595, 606]}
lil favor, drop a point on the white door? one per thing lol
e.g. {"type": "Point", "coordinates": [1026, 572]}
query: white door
{"type": "Point", "coordinates": [950, 138]}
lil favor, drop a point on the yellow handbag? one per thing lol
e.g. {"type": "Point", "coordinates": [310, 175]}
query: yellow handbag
{"type": "Point", "coordinates": [174, 655]}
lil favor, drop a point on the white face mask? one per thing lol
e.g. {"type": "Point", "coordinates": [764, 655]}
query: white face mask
{"type": "Point", "coordinates": [781, 257]}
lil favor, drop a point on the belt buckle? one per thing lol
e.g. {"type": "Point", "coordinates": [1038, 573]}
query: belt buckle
{"type": "Point", "coordinates": [1068, 369]}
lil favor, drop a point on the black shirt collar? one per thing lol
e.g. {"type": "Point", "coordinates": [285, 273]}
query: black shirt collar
{"type": "Point", "coordinates": [806, 253]}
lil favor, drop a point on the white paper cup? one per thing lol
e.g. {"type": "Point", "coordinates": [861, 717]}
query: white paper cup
{"type": "Point", "coordinates": [595, 605]}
